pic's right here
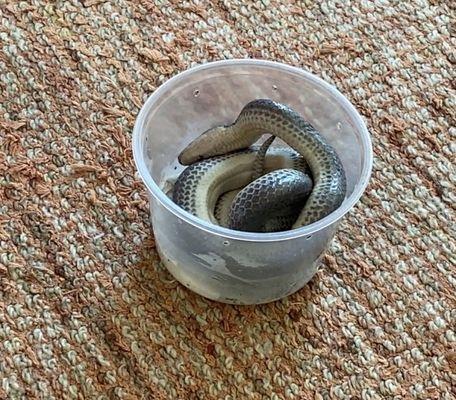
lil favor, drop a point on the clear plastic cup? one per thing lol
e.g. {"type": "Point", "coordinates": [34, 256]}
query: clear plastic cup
{"type": "Point", "coordinates": [218, 263]}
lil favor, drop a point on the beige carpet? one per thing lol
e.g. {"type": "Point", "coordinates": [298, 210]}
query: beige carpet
{"type": "Point", "coordinates": [86, 309]}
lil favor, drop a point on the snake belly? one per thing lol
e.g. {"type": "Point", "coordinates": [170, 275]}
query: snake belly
{"type": "Point", "coordinates": [207, 189]}
{"type": "Point", "coordinates": [266, 116]}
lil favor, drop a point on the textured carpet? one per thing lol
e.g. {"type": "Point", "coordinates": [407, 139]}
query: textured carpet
{"type": "Point", "coordinates": [86, 309]}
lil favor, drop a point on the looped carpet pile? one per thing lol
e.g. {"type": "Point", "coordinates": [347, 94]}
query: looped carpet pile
{"type": "Point", "coordinates": [86, 309]}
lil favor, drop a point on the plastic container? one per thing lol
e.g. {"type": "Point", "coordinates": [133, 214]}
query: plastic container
{"type": "Point", "coordinates": [222, 264]}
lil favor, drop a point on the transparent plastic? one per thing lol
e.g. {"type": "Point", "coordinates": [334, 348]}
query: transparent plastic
{"type": "Point", "coordinates": [218, 263]}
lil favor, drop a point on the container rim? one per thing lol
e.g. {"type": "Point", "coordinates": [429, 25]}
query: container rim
{"type": "Point", "coordinates": [308, 230]}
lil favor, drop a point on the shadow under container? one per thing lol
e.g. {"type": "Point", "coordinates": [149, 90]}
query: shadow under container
{"type": "Point", "coordinates": [218, 263]}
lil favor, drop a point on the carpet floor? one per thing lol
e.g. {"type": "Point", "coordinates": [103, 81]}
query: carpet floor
{"type": "Point", "coordinates": [86, 309]}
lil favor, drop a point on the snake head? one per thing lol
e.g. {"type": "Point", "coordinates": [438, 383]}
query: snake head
{"type": "Point", "coordinates": [204, 146]}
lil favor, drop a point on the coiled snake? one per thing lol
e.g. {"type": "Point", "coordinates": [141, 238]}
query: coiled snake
{"type": "Point", "coordinates": [232, 183]}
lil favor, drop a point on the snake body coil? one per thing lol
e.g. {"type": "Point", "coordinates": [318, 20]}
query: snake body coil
{"type": "Point", "coordinates": [221, 145]}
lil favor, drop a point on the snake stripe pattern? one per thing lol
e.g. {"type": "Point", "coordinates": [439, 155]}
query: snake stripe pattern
{"type": "Point", "coordinates": [264, 164]}
{"type": "Point", "coordinates": [204, 187]}
{"type": "Point", "coordinates": [248, 209]}
{"type": "Point", "coordinates": [257, 118]}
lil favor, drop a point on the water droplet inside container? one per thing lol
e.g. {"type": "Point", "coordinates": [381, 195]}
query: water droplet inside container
{"type": "Point", "coordinates": [274, 87]}
{"type": "Point", "coordinates": [196, 93]}
{"type": "Point", "coordinates": [339, 126]}
{"type": "Point", "coordinates": [308, 237]}
{"type": "Point", "coordinates": [226, 243]}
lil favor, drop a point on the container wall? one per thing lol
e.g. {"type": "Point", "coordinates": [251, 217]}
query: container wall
{"type": "Point", "coordinates": [234, 271]}
{"type": "Point", "coordinates": [209, 98]}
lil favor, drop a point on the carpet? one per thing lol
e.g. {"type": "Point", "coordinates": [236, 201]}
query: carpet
{"type": "Point", "coordinates": [88, 312]}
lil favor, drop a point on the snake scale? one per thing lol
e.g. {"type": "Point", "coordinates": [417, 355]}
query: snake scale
{"type": "Point", "coordinates": [264, 190]}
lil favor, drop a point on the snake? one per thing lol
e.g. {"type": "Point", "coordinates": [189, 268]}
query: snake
{"type": "Point", "coordinates": [304, 182]}
{"type": "Point", "coordinates": [210, 188]}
